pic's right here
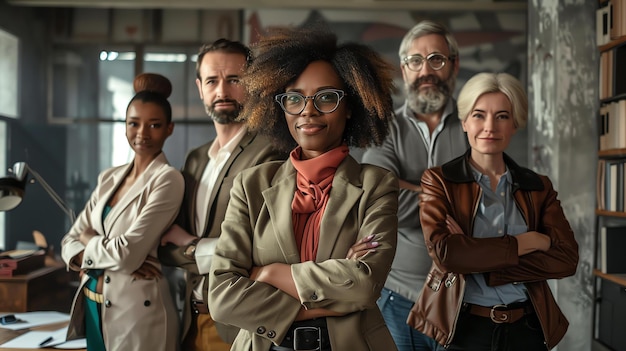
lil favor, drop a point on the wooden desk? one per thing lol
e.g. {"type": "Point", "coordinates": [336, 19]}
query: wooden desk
{"type": "Point", "coordinates": [45, 289]}
{"type": "Point", "coordinates": [7, 334]}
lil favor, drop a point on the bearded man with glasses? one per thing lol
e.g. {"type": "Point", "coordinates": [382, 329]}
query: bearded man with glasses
{"type": "Point", "coordinates": [425, 133]}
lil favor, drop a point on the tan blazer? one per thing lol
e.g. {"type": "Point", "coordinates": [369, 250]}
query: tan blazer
{"type": "Point", "coordinates": [137, 314]}
{"type": "Point", "coordinates": [252, 150]}
{"type": "Point", "coordinates": [258, 230]}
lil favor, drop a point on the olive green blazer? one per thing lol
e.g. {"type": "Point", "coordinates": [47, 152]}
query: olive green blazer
{"type": "Point", "coordinates": [258, 230]}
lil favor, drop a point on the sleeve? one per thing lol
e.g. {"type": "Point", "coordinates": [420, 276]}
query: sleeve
{"type": "Point", "coordinates": [155, 213]}
{"type": "Point", "coordinates": [170, 254]}
{"type": "Point", "coordinates": [234, 298]}
{"type": "Point", "coordinates": [456, 252]}
{"type": "Point", "coordinates": [70, 243]}
{"type": "Point", "coordinates": [385, 155]}
{"type": "Point", "coordinates": [559, 261]}
{"type": "Point", "coordinates": [204, 254]}
{"type": "Point", "coordinates": [345, 285]}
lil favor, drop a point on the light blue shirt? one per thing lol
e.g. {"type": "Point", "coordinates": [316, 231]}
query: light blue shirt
{"type": "Point", "coordinates": [497, 215]}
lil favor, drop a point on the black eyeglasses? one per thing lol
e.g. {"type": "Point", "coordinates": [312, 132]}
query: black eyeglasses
{"type": "Point", "coordinates": [325, 101]}
{"type": "Point", "coordinates": [435, 61]}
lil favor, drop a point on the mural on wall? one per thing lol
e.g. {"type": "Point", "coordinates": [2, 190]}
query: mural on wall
{"type": "Point", "coordinates": [488, 41]}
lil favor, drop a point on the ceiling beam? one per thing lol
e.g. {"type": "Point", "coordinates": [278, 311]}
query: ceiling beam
{"type": "Point", "coordinates": [432, 5]}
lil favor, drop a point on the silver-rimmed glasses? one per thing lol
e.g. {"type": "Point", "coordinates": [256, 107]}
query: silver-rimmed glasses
{"type": "Point", "coordinates": [325, 101]}
{"type": "Point", "coordinates": [435, 61]}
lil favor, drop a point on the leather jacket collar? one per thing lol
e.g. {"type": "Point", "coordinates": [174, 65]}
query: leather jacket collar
{"type": "Point", "coordinates": [459, 171]}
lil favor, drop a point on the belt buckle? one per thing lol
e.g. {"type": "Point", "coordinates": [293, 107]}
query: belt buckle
{"type": "Point", "coordinates": [194, 307]}
{"type": "Point", "coordinates": [492, 314]}
{"type": "Point", "coordinates": [302, 335]}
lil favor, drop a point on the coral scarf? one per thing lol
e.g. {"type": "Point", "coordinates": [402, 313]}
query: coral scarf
{"type": "Point", "coordinates": [314, 180]}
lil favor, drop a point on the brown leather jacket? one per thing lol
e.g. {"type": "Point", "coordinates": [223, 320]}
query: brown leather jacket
{"type": "Point", "coordinates": [452, 190]}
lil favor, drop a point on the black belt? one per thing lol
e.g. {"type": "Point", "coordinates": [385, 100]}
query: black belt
{"type": "Point", "coordinates": [199, 307]}
{"type": "Point", "coordinates": [309, 335]}
{"type": "Point", "coordinates": [501, 313]}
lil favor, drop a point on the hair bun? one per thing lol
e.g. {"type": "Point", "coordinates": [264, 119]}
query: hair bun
{"type": "Point", "coordinates": [153, 82]}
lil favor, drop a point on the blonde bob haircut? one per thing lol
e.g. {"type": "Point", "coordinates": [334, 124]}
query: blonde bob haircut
{"type": "Point", "coordinates": [484, 83]}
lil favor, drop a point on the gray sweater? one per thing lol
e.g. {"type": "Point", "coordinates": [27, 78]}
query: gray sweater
{"type": "Point", "coordinates": [408, 151]}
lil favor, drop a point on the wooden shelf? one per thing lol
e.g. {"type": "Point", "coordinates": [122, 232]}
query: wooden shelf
{"type": "Point", "coordinates": [612, 153]}
{"type": "Point", "coordinates": [613, 43]}
{"type": "Point", "coordinates": [613, 99]}
{"type": "Point", "coordinates": [606, 213]}
{"type": "Point", "coordinates": [619, 279]}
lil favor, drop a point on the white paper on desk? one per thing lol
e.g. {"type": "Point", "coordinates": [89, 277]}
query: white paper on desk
{"type": "Point", "coordinates": [35, 319]}
{"type": "Point", "coordinates": [72, 344]}
{"type": "Point", "coordinates": [33, 339]}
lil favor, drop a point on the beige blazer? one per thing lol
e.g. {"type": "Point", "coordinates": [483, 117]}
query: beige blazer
{"type": "Point", "coordinates": [258, 230]}
{"type": "Point", "coordinates": [137, 314]}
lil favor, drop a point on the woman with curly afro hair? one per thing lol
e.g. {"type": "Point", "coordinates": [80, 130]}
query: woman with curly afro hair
{"type": "Point", "coordinates": [307, 243]}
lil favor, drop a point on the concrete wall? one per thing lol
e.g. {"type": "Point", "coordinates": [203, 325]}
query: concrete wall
{"type": "Point", "coordinates": [562, 136]}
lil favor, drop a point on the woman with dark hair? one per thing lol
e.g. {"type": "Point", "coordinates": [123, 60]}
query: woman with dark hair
{"type": "Point", "coordinates": [123, 302]}
{"type": "Point", "coordinates": [307, 243]}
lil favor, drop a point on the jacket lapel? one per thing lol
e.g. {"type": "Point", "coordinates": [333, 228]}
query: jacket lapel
{"type": "Point", "coordinates": [107, 189]}
{"type": "Point", "coordinates": [346, 192]}
{"type": "Point", "coordinates": [278, 199]}
{"type": "Point", "coordinates": [200, 165]}
{"type": "Point", "coordinates": [247, 139]}
{"type": "Point", "coordinates": [135, 191]}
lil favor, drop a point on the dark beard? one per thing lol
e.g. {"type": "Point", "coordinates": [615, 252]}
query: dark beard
{"type": "Point", "coordinates": [433, 99]}
{"type": "Point", "coordinates": [223, 117]}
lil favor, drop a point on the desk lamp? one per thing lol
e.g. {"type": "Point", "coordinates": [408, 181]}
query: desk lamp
{"type": "Point", "coordinates": [13, 187]}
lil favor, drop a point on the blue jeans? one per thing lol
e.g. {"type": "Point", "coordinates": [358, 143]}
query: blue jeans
{"type": "Point", "coordinates": [395, 309]}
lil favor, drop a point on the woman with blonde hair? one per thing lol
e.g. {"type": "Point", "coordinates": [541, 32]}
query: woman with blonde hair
{"type": "Point", "coordinates": [496, 233]}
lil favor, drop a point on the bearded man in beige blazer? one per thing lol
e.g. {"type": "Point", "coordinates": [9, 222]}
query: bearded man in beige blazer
{"type": "Point", "coordinates": [209, 171]}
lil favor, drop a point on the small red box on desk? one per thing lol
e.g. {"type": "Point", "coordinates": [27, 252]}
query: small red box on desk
{"type": "Point", "coordinates": [17, 262]}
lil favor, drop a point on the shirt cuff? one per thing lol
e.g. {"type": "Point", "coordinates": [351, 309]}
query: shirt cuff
{"type": "Point", "coordinates": [204, 254]}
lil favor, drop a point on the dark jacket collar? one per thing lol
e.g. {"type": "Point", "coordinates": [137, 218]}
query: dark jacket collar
{"type": "Point", "coordinates": [459, 171]}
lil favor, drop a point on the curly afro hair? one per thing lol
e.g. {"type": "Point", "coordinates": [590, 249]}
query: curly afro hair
{"type": "Point", "coordinates": [284, 53]}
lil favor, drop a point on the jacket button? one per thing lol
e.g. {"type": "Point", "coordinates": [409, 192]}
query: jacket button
{"type": "Point", "coordinates": [271, 334]}
{"type": "Point", "coordinates": [107, 279]}
{"type": "Point", "coordinates": [146, 303]}
{"type": "Point", "coordinates": [314, 297]}
{"type": "Point", "coordinates": [89, 262]}
{"type": "Point", "coordinates": [260, 330]}
{"type": "Point", "coordinates": [107, 303]}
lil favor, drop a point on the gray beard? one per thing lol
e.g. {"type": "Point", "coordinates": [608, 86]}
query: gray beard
{"type": "Point", "coordinates": [432, 100]}
{"type": "Point", "coordinates": [222, 117]}
{"type": "Point", "coordinates": [426, 103]}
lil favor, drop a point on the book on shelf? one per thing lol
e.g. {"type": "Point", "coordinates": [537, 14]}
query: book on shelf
{"type": "Point", "coordinates": [614, 185]}
{"type": "Point", "coordinates": [612, 125]}
{"type": "Point", "coordinates": [600, 198]}
{"type": "Point", "coordinates": [612, 247]}
{"type": "Point", "coordinates": [611, 185]}
{"type": "Point", "coordinates": [16, 262]}
{"type": "Point", "coordinates": [606, 74]}
{"type": "Point", "coordinates": [603, 24]}
{"type": "Point", "coordinates": [617, 19]}
{"type": "Point", "coordinates": [619, 68]}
